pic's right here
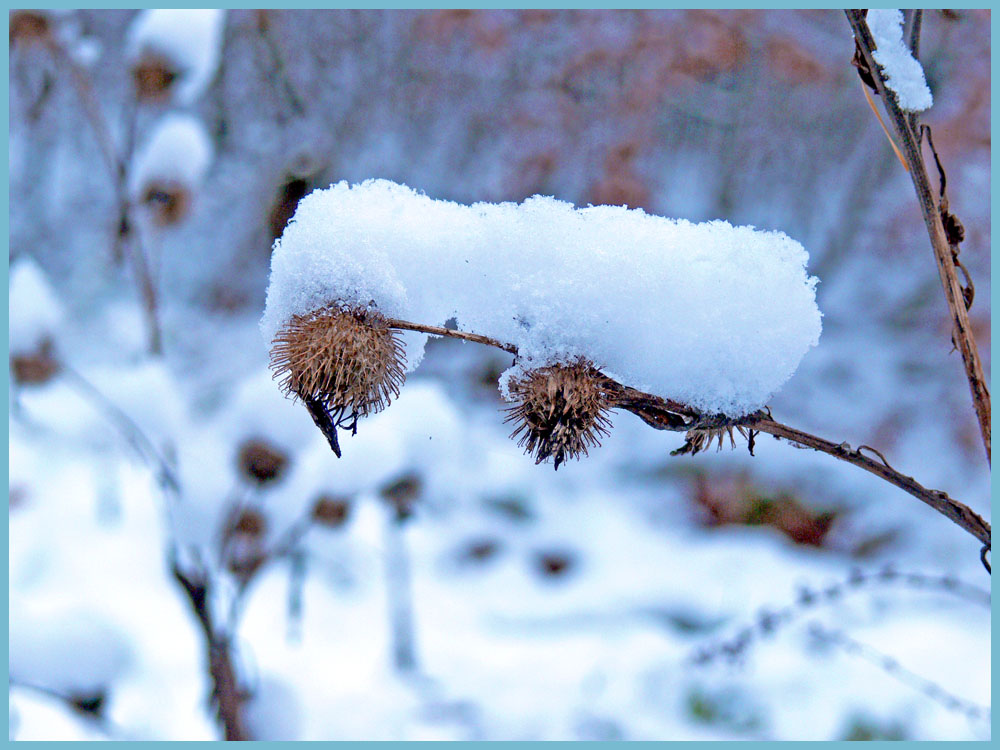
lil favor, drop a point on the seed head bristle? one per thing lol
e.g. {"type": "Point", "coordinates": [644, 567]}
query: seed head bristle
{"type": "Point", "coordinates": [698, 440]}
{"type": "Point", "coordinates": [348, 360]}
{"type": "Point", "coordinates": [561, 411]}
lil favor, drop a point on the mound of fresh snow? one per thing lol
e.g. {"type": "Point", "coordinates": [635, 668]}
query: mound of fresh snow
{"type": "Point", "coordinates": [710, 314]}
{"type": "Point", "coordinates": [74, 652]}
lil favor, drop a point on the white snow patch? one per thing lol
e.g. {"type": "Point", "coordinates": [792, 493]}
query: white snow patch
{"type": "Point", "coordinates": [178, 151]}
{"type": "Point", "coordinates": [903, 73]}
{"type": "Point", "coordinates": [35, 312]}
{"type": "Point", "coordinates": [188, 38]}
{"type": "Point", "coordinates": [710, 314]}
{"type": "Point", "coordinates": [74, 652]}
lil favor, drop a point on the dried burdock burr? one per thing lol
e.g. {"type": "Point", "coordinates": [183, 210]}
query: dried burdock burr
{"type": "Point", "coordinates": [561, 411]}
{"type": "Point", "coordinates": [402, 495]}
{"type": "Point", "coordinates": [36, 366]}
{"type": "Point", "coordinates": [553, 563]}
{"type": "Point", "coordinates": [243, 543]}
{"type": "Point", "coordinates": [343, 363]}
{"type": "Point", "coordinates": [153, 75]}
{"type": "Point", "coordinates": [168, 201]}
{"type": "Point", "coordinates": [261, 462]}
{"type": "Point", "coordinates": [331, 512]}
{"type": "Point", "coordinates": [29, 27]}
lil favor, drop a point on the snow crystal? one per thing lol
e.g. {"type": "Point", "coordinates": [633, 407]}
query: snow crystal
{"type": "Point", "coordinates": [904, 75]}
{"type": "Point", "coordinates": [709, 314]}
{"type": "Point", "coordinates": [35, 312]}
{"type": "Point", "coordinates": [178, 151]}
{"type": "Point", "coordinates": [188, 38]}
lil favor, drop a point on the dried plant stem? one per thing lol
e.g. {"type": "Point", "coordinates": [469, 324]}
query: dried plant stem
{"type": "Point", "coordinates": [225, 686]}
{"type": "Point", "coordinates": [403, 325]}
{"type": "Point", "coordinates": [958, 512]}
{"type": "Point", "coordinates": [666, 414]}
{"type": "Point", "coordinates": [931, 209]}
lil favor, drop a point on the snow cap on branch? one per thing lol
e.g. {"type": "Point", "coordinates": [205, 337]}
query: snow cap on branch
{"type": "Point", "coordinates": [709, 314]}
{"type": "Point", "coordinates": [904, 74]}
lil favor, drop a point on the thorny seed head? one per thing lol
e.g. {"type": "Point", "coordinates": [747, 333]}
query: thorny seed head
{"type": "Point", "coordinates": [331, 511]}
{"type": "Point", "coordinates": [561, 411]}
{"type": "Point", "coordinates": [700, 439]}
{"type": "Point", "coordinates": [153, 76]}
{"type": "Point", "coordinates": [260, 461]}
{"type": "Point", "coordinates": [349, 360]}
{"type": "Point", "coordinates": [248, 523]}
{"type": "Point", "coordinates": [35, 367]}
{"type": "Point", "coordinates": [168, 201]}
{"type": "Point", "coordinates": [28, 27]}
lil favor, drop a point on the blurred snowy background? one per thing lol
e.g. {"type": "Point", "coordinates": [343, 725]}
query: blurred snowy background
{"type": "Point", "coordinates": [435, 583]}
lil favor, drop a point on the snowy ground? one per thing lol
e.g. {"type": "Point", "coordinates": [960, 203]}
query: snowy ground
{"type": "Point", "coordinates": [546, 605]}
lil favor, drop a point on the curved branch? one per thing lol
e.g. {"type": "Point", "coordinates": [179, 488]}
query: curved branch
{"type": "Point", "coordinates": [666, 414]}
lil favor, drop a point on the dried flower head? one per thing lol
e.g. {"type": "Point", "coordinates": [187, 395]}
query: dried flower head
{"type": "Point", "coordinates": [402, 494]}
{"type": "Point", "coordinates": [168, 201]}
{"type": "Point", "coordinates": [331, 511]}
{"type": "Point", "coordinates": [36, 366]}
{"type": "Point", "coordinates": [561, 411]}
{"type": "Point", "coordinates": [28, 26]}
{"type": "Point", "coordinates": [260, 461]}
{"type": "Point", "coordinates": [249, 523]}
{"type": "Point", "coordinates": [153, 76]}
{"type": "Point", "coordinates": [347, 360]}
{"type": "Point", "coordinates": [554, 563]}
{"type": "Point", "coordinates": [700, 439]}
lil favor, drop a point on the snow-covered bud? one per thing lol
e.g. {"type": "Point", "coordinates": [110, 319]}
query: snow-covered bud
{"type": "Point", "coordinates": [260, 461]}
{"type": "Point", "coordinates": [348, 360]}
{"type": "Point", "coordinates": [170, 167]}
{"type": "Point", "coordinates": [174, 53]}
{"type": "Point", "coordinates": [35, 316]}
{"type": "Point", "coordinates": [561, 411]}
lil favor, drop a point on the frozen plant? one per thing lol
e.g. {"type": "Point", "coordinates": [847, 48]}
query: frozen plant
{"type": "Point", "coordinates": [170, 166]}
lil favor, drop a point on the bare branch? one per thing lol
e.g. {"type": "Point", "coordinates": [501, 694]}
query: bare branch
{"type": "Point", "coordinates": [666, 414]}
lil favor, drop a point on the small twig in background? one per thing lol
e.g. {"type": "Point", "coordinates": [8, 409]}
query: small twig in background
{"type": "Point", "coordinates": [808, 599]}
{"type": "Point", "coordinates": [893, 668]}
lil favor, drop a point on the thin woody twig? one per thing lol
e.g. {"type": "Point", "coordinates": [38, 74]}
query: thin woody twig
{"type": "Point", "coordinates": [666, 414]}
{"type": "Point", "coordinates": [118, 171]}
{"type": "Point", "coordinates": [931, 209]}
